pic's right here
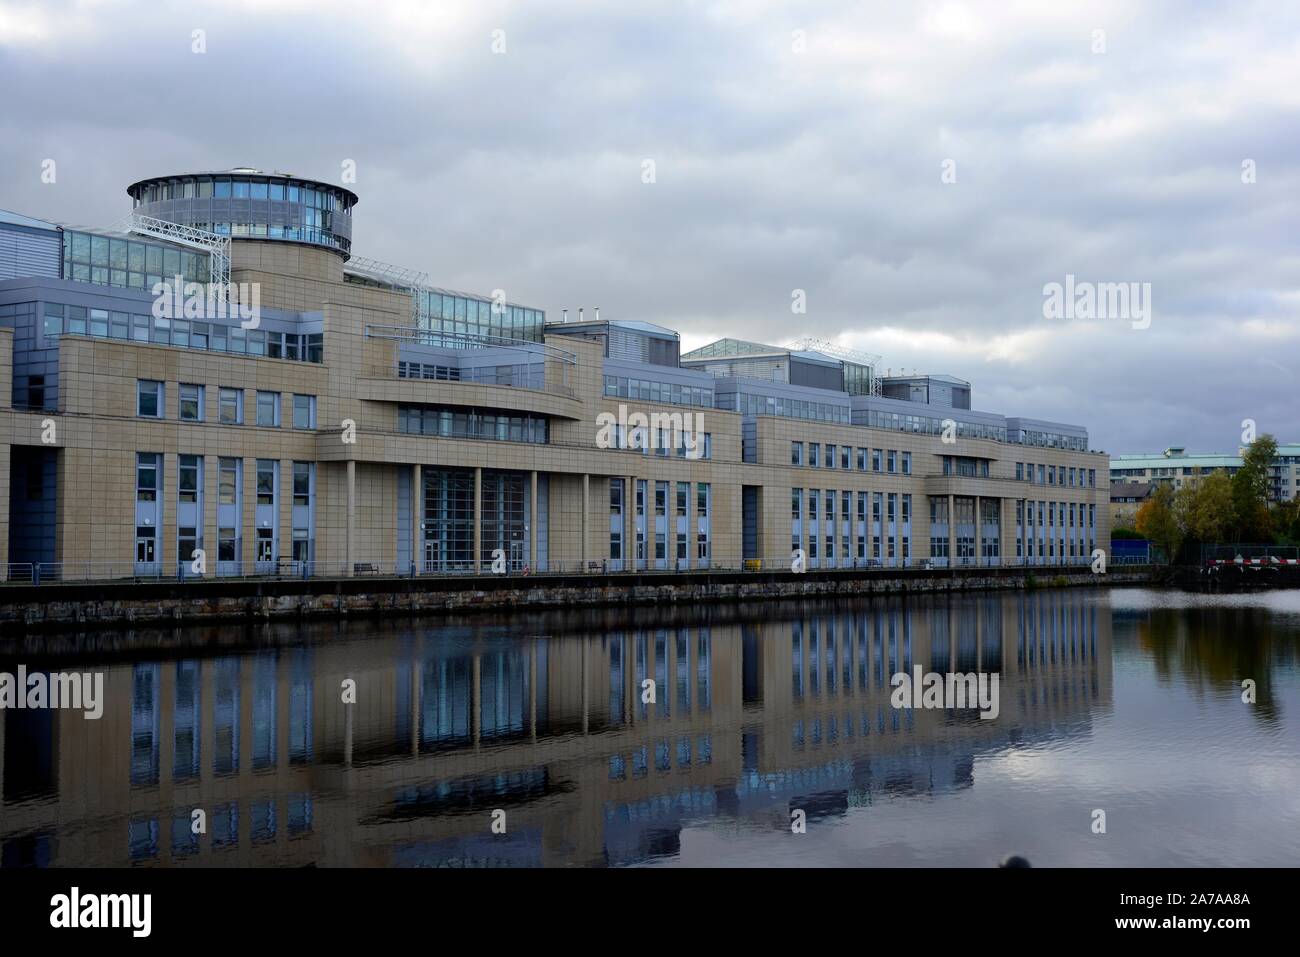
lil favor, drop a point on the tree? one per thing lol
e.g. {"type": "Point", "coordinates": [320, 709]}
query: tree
{"type": "Point", "coordinates": [1157, 521]}
{"type": "Point", "coordinates": [1250, 491]}
{"type": "Point", "coordinates": [1207, 510]}
{"type": "Point", "coordinates": [1285, 521]}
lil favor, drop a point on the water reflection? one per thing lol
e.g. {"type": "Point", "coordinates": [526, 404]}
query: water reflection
{"type": "Point", "coordinates": [756, 712]}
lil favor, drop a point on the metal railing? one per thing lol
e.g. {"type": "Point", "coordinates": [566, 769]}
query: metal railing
{"type": "Point", "coordinates": [1250, 554]}
{"type": "Point", "coordinates": [45, 573]}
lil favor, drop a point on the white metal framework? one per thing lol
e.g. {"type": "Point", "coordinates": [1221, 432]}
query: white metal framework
{"type": "Point", "coordinates": [809, 344]}
{"type": "Point", "coordinates": [868, 359]}
{"type": "Point", "coordinates": [413, 281]}
{"type": "Point", "coordinates": [217, 247]}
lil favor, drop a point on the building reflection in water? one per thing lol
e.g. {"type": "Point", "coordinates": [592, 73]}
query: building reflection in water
{"type": "Point", "coordinates": [754, 714]}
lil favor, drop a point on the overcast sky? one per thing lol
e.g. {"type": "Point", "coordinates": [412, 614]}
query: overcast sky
{"type": "Point", "coordinates": [794, 147]}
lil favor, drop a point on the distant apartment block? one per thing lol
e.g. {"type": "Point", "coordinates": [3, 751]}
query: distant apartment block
{"type": "Point", "coordinates": [1177, 467]}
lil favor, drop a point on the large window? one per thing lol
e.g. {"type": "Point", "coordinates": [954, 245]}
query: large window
{"type": "Point", "coordinates": [146, 477]}
{"type": "Point", "coordinates": [268, 409]}
{"type": "Point", "coordinates": [231, 402]}
{"type": "Point", "coordinates": [462, 423]}
{"type": "Point", "coordinates": [265, 481]}
{"type": "Point", "coordinates": [149, 399]}
{"type": "Point", "coordinates": [189, 478]}
{"type": "Point", "coordinates": [228, 481]}
{"type": "Point", "coordinates": [191, 402]}
{"type": "Point", "coordinates": [304, 412]}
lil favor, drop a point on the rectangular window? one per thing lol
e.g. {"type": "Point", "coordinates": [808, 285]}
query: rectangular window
{"type": "Point", "coordinates": [268, 409]}
{"type": "Point", "coordinates": [829, 461]}
{"type": "Point", "coordinates": [191, 402]}
{"type": "Point", "coordinates": [304, 412]}
{"type": "Point", "coordinates": [1020, 471]}
{"type": "Point", "coordinates": [907, 463]}
{"type": "Point", "coordinates": [796, 453]}
{"type": "Point", "coordinates": [302, 484]}
{"type": "Point", "coordinates": [188, 478]}
{"type": "Point", "coordinates": [862, 460]}
{"type": "Point", "coordinates": [814, 453]}
{"type": "Point", "coordinates": [616, 496]}
{"type": "Point", "coordinates": [892, 461]}
{"type": "Point", "coordinates": [875, 460]}
{"type": "Point", "coordinates": [228, 481]}
{"type": "Point", "coordinates": [232, 406]}
{"type": "Point", "coordinates": [146, 477]}
{"type": "Point", "coordinates": [265, 481]}
{"type": "Point", "coordinates": [149, 399]}
{"type": "Point", "coordinates": [846, 452]}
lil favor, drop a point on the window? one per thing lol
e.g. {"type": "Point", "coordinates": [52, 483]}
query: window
{"type": "Point", "coordinates": [227, 545]}
{"type": "Point", "coordinates": [146, 477]}
{"type": "Point", "coordinates": [149, 399]}
{"type": "Point", "coordinates": [268, 409]}
{"type": "Point", "coordinates": [829, 461]}
{"type": "Point", "coordinates": [892, 461]}
{"type": "Point", "coordinates": [846, 453]}
{"type": "Point", "coordinates": [232, 406]}
{"type": "Point", "coordinates": [907, 463]}
{"type": "Point", "coordinates": [1020, 471]}
{"type": "Point", "coordinates": [862, 460]}
{"type": "Point", "coordinates": [302, 484]}
{"type": "Point", "coordinates": [796, 453]}
{"type": "Point", "coordinates": [875, 460]}
{"type": "Point", "coordinates": [304, 412]}
{"type": "Point", "coordinates": [188, 479]}
{"type": "Point", "coordinates": [814, 453]}
{"type": "Point", "coordinates": [228, 481]}
{"type": "Point", "coordinates": [265, 481]}
{"type": "Point", "coordinates": [53, 324]}
{"type": "Point", "coordinates": [191, 403]}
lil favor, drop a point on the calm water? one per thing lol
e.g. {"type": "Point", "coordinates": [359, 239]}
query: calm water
{"type": "Point", "coordinates": [1127, 701]}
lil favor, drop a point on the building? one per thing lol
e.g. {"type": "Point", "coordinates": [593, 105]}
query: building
{"type": "Point", "coordinates": [1125, 500]}
{"type": "Point", "coordinates": [1176, 467]}
{"type": "Point", "coordinates": [326, 414]}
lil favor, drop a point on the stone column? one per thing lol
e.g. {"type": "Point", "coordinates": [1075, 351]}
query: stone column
{"type": "Point", "coordinates": [952, 531]}
{"type": "Point", "coordinates": [629, 562]}
{"type": "Point", "coordinates": [478, 519]}
{"type": "Point", "coordinates": [417, 519]}
{"type": "Point", "coordinates": [532, 522]}
{"type": "Point", "coordinates": [352, 516]}
{"type": "Point", "coordinates": [585, 551]}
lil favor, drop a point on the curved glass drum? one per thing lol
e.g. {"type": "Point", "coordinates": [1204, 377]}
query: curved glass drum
{"type": "Point", "coordinates": [250, 204]}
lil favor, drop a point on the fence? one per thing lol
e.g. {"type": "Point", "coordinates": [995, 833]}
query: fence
{"type": "Point", "coordinates": [1250, 554]}
{"type": "Point", "coordinates": [40, 573]}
